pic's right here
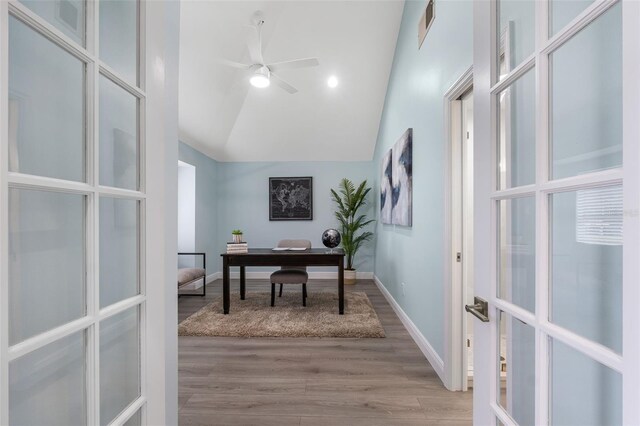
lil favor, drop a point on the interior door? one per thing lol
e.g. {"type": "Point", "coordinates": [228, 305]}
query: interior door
{"type": "Point", "coordinates": [72, 188]}
{"type": "Point", "coordinates": [555, 231]}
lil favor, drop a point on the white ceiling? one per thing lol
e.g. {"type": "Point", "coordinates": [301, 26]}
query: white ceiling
{"type": "Point", "coordinates": [226, 118]}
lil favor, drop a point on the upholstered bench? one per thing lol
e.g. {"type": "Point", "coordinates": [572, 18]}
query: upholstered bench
{"type": "Point", "coordinates": [188, 276]}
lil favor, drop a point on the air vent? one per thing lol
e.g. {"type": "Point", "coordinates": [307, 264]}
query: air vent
{"type": "Point", "coordinates": [68, 13]}
{"type": "Point", "coordinates": [425, 22]}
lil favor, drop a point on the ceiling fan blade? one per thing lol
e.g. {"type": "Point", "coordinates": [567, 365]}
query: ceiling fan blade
{"type": "Point", "coordinates": [283, 84]}
{"type": "Point", "coordinates": [233, 64]}
{"type": "Point", "coordinates": [296, 63]}
{"type": "Point", "coordinates": [254, 44]}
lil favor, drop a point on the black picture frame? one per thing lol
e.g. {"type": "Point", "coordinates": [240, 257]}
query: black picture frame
{"type": "Point", "coordinates": [290, 198]}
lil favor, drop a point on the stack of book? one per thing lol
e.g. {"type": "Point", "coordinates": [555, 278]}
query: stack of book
{"type": "Point", "coordinates": [237, 247]}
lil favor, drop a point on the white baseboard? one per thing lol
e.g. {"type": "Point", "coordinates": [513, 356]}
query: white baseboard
{"type": "Point", "coordinates": [432, 356]}
{"type": "Point", "coordinates": [215, 276]}
{"type": "Point", "coordinates": [264, 275]}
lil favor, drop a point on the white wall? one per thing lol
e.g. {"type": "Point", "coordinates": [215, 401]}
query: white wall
{"type": "Point", "coordinates": [204, 216]}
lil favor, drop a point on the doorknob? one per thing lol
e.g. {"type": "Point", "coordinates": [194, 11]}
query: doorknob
{"type": "Point", "coordinates": [479, 309]}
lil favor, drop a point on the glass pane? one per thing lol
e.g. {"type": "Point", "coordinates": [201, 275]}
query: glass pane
{"type": "Point", "coordinates": [586, 263]}
{"type": "Point", "coordinates": [46, 261]}
{"type": "Point", "coordinates": [561, 12]}
{"type": "Point", "coordinates": [118, 136]}
{"type": "Point", "coordinates": [516, 33]}
{"type": "Point", "coordinates": [582, 391]}
{"type": "Point", "coordinates": [66, 15]}
{"type": "Point", "coordinates": [48, 386]}
{"type": "Point", "coordinates": [135, 420]}
{"type": "Point", "coordinates": [119, 363]}
{"type": "Point", "coordinates": [46, 107]}
{"type": "Point", "coordinates": [118, 250]}
{"type": "Point", "coordinates": [517, 133]}
{"type": "Point", "coordinates": [119, 36]}
{"type": "Point", "coordinates": [517, 251]}
{"type": "Point", "coordinates": [516, 365]}
{"type": "Point", "coordinates": [586, 99]}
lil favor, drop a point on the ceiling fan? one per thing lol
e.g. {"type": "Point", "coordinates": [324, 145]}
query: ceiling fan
{"type": "Point", "coordinates": [262, 75]}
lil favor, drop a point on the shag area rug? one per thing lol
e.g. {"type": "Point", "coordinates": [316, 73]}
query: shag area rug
{"type": "Point", "coordinates": [255, 317]}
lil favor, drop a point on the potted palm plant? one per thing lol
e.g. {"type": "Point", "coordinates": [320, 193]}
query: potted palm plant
{"type": "Point", "coordinates": [349, 201]}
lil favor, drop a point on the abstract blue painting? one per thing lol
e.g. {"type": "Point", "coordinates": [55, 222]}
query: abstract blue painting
{"type": "Point", "coordinates": [402, 179]}
{"type": "Point", "coordinates": [386, 188]}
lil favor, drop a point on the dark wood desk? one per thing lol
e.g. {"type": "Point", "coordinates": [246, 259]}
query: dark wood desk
{"type": "Point", "coordinates": [268, 257]}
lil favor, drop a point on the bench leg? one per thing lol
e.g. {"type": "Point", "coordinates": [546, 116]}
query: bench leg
{"type": "Point", "coordinates": [273, 294]}
{"type": "Point", "coordinates": [280, 295]}
{"type": "Point", "coordinates": [304, 294]}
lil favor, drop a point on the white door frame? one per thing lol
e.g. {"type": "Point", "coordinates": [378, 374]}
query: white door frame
{"type": "Point", "coordinates": [455, 373]}
{"type": "Point", "coordinates": [485, 71]}
{"type": "Point", "coordinates": [631, 193]}
{"type": "Point", "coordinates": [157, 98]}
{"type": "Point", "coordinates": [161, 70]}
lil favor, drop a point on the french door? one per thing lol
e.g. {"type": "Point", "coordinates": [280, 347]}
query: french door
{"type": "Point", "coordinates": [74, 300]}
{"type": "Point", "coordinates": [556, 212]}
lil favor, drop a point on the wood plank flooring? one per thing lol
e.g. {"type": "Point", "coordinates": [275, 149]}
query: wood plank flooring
{"type": "Point", "coordinates": [311, 381]}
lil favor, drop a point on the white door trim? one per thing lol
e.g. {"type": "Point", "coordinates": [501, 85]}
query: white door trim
{"type": "Point", "coordinates": [4, 213]}
{"type": "Point", "coordinates": [162, 38]}
{"type": "Point", "coordinates": [485, 47]}
{"type": "Point", "coordinates": [631, 224]}
{"type": "Point", "coordinates": [454, 333]}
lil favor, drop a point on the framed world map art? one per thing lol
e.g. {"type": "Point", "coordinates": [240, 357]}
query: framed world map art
{"type": "Point", "coordinates": [291, 198]}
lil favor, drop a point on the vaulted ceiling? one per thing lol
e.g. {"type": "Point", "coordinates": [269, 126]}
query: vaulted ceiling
{"type": "Point", "coordinates": [229, 120]}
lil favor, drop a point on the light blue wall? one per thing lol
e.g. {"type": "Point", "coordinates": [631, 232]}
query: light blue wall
{"type": "Point", "coordinates": [243, 203]}
{"type": "Point", "coordinates": [206, 203]}
{"type": "Point", "coordinates": [418, 82]}
{"type": "Point", "coordinates": [234, 196]}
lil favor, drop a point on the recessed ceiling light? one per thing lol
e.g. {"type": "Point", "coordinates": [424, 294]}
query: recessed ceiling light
{"type": "Point", "coordinates": [332, 82]}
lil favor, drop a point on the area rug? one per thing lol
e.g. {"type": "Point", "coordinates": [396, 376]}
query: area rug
{"type": "Point", "coordinates": [255, 317]}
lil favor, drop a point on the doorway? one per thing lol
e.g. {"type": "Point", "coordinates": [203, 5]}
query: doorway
{"type": "Point", "coordinates": [466, 249]}
{"type": "Point", "coordinates": [459, 241]}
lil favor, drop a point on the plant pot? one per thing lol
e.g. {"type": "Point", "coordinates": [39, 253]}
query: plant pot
{"type": "Point", "coordinates": [350, 276]}
{"type": "Point", "coordinates": [237, 238]}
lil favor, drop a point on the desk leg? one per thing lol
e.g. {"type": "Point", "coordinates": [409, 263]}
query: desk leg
{"type": "Point", "coordinates": [341, 285]}
{"type": "Point", "coordinates": [242, 283]}
{"type": "Point", "coordinates": [225, 285]}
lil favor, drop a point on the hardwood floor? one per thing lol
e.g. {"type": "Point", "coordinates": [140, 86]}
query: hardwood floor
{"type": "Point", "coordinates": [311, 381]}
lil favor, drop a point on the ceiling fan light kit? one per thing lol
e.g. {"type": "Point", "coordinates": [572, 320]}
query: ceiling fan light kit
{"type": "Point", "coordinates": [260, 78]}
{"type": "Point", "coordinates": [262, 74]}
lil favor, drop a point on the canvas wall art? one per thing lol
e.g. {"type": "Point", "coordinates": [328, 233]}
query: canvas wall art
{"type": "Point", "coordinates": [386, 187]}
{"type": "Point", "coordinates": [290, 198]}
{"type": "Point", "coordinates": [402, 178]}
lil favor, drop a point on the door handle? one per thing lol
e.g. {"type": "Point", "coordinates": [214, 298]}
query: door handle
{"type": "Point", "coordinates": [479, 309]}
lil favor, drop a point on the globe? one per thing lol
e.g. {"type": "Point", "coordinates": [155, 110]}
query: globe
{"type": "Point", "coordinates": [331, 238]}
